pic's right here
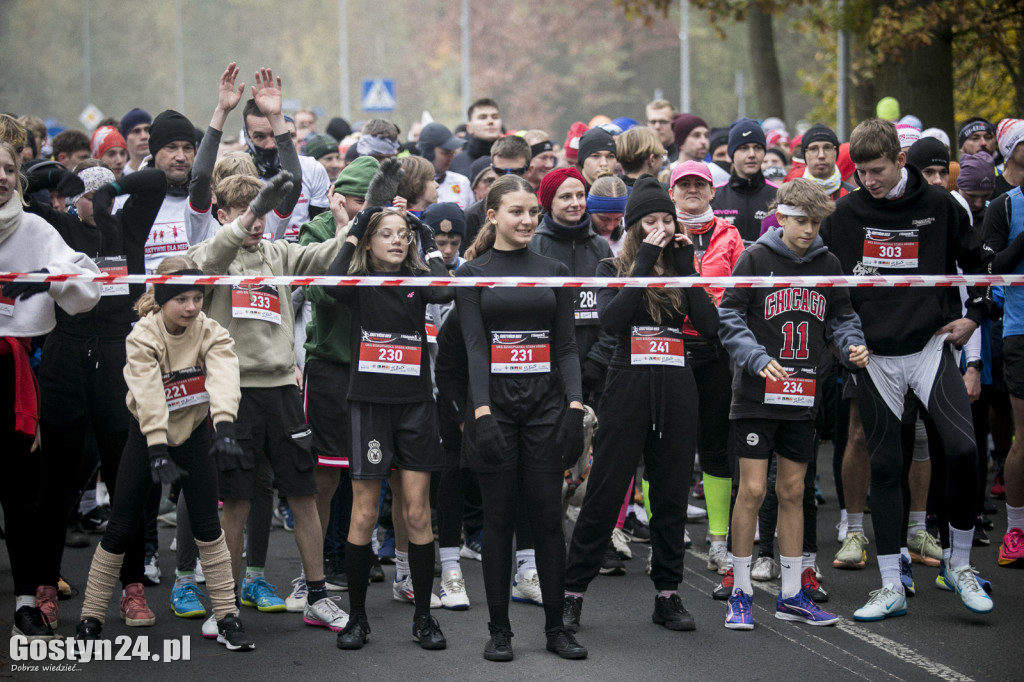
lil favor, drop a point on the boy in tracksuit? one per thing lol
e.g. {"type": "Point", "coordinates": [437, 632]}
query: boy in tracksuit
{"type": "Point", "coordinates": [777, 338]}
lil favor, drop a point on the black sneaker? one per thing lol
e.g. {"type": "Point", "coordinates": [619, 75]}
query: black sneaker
{"type": "Point", "coordinates": [355, 634]}
{"type": "Point", "coordinates": [980, 536]}
{"type": "Point", "coordinates": [232, 635]}
{"type": "Point", "coordinates": [88, 629]}
{"type": "Point", "coordinates": [571, 609]}
{"type": "Point", "coordinates": [611, 564]}
{"type": "Point", "coordinates": [636, 529]}
{"type": "Point", "coordinates": [376, 570]}
{"type": "Point", "coordinates": [75, 536]}
{"type": "Point", "coordinates": [95, 520]}
{"type": "Point", "coordinates": [670, 612]}
{"type": "Point", "coordinates": [562, 642]}
{"type": "Point", "coordinates": [427, 631]}
{"type": "Point", "coordinates": [724, 589]}
{"type": "Point", "coordinates": [499, 646]}
{"type": "Point", "coordinates": [31, 623]}
{"type": "Point", "coordinates": [334, 572]}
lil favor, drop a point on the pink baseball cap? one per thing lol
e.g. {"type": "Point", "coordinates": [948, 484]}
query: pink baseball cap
{"type": "Point", "coordinates": [696, 168]}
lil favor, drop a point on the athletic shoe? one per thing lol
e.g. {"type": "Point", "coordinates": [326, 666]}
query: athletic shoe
{"type": "Point", "coordinates": [842, 530]}
{"type": "Point", "coordinates": [46, 601]}
{"type": "Point", "coordinates": [924, 549]}
{"type": "Point", "coordinates": [562, 642]}
{"type": "Point", "coordinates": [724, 589]}
{"type": "Point", "coordinates": [621, 543]}
{"type": "Point", "coordinates": [30, 622]}
{"type": "Point", "coordinates": [386, 551]}
{"type": "Point", "coordinates": [611, 564]}
{"type": "Point", "coordinates": [907, 576]}
{"type": "Point", "coordinates": [75, 536]}
{"type": "Point", "coordinates": [884, 603]}
{"type": "Point", "coordinates": [325, 613]}
{"type": "Point", "coordinates": [185, 600]}
{"type": "Point", "coordinates": [200, 576]}
{"type": "Point", "coordinates": [232, 635]}
{"type": "Point", "coordinates": [453, 591]}
{"type": "Point", "coordinates": [965, 583]}
{"type": "Point", "coordinates": [800, 608]}
{"type": "Point", "coordinates": [526, 588]}
{"type": "Point", "coordinates": [334, 574]}
{"type": "Point", "coordinates": [95, 520]}
{"type": "Point", "coordinates": [981, 538]}
{"type": "Point", "coordinates": [283, 514]}
{"type": "Point", "coordinates": [134, 611]}
{"type": "Point", "coordinates": [151, 568]}
{"type": "Point", "coordinates": [940, 579]}
{"type": "Point", "coordinates": [402, 591]}
{"type": "Point", "coordinates": [169, 519]}
{"type": "Point", "coordinates": [637, 530]}
{"type": "Point", "coordinates": [810, 586]}
{"type": "Point", "coordinates": [765, 568]}
{"type": "Point", "coordinates": [210, 627]}
{"type": "Point", "coordinates": [718, 559]}
{"type": "Point", "coordinates": [261, 594]}
{"type": "Point", "coordinates": [376, 571]}
{"type": "Point", "coordinates": [572, 607]}
{"type": "Point", "coordinates": [296, 601]}
{"type": "Point", "coordinates": [427, 631]}
{"type": "Point", "coordinates": [355, 634]}
{"type": "Point", "coordinates": [998, 491]}
{"type": "Point", "coordinates": [88, 630]}
{"type": "Point", "coordinates": [819, 496]}
{"type": "Point", "coordinates": [695, 513]}
{"type": "Point", "coordinates": [1011, 552]}
{"type": "Point", "coordinates": [499, 646]}
{"type": "Point", "coordinates": [853, 553]}
{"type": "Point", "coordinates": [670, 613]}
{"type": "Point", "coordinates": [739, 612]}
{"type": "Point", "coordinates": [698, 489]}
{"type": "Point", "coordinates": [473, 547]}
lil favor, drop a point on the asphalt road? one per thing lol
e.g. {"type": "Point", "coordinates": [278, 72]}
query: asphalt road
{"type": "Point", "coordinates": [938, 639]}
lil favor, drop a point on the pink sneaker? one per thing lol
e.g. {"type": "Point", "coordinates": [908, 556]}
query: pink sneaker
{"type": "Point", "coordinates": [1011, 552]}
{"type": "Point", "coordinates": [134, 610]}
{"type": "Point", "coordinates": [46, 601]}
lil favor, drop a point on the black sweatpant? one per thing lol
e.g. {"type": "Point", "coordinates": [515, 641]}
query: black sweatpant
{"type": "Point", "coordinates": [650, 412]}
{"type": "Point", "coordinates": [713, 374]}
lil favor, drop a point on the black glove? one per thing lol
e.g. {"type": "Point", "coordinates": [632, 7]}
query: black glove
{"type": "Point", "coordinates": [225, 449]}
{"type": "Point", "coordinates": [276, 189]}
{"type": "Point", "coordinates": [23, 290]}
{"type": "Point", "coordinates": [490, 442]}
{"type": "Point", "coordinates": [162, 467]}
{"type": "Point", "coordinates": [362, 221]}
{"type": "Point", "coordinates": [423, 231]}
{"type": "Point", "coordinates": [570, 436]}
{"type": "Point", "coordinates": [593, 376]}
{"type": "Point", "coordinates": [47, 175]}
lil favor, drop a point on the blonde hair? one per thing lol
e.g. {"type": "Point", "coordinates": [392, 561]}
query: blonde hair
{"type": "Point", "coordinates": [236, 191]}
{"type": "Point", "coordinates": [635, 146]}
{"type": "Point", "coordinates": [360, 264]}
{"type": "Point", "coordinates": [656, 301]}
{"type": "Point", "coordinates": [16, 157]}
{"type": "Point", "coordinates": [147, 302]}
{"type": "Point", "coordinates": [413, 184]}
{"type": "Point", "coordinates": [232, 163]}
{"type": "Point", "coordinates": [13, 132]}
{"type": "Point", "coordinates": [37, 127]}
{"type": "Point", "coordinates": [804, 194]}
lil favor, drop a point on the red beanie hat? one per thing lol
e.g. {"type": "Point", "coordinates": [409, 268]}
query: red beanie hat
{"type": "Point", "coordinates": [552, 181]}
{"type": "Point", "coordinates": [572, 141]}
{"type": "Point", "coordinates": [104, 138]}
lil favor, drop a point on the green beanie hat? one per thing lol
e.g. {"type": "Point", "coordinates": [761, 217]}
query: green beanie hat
{"type": "Point", "coordinates": [355, 178]}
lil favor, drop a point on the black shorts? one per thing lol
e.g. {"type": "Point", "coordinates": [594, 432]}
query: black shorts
{"type": "Point", "coordinates": [759, 438]}
{"type": "Point", "coordinates": [1013, 365]}
{"type": "Point", "coordinates": [326, 407]}
{"type": "Point", "coordinates": [393, 436]}
{"type": "Point", "coordinates": [528, 447]}
{"type": "Point", "coordinates": [270, 423]}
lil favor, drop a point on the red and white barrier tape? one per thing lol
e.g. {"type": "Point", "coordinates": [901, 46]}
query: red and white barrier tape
{"type": "Point", "coordinates": [571, 282]}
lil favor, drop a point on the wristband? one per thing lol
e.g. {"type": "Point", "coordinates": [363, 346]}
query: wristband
{"type": "Point", "coordinates": [432, 254]}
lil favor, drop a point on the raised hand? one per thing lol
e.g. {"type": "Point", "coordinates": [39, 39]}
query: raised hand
{"type": "Point", "coordinates": [267, 92]}
{"type": "Point", "coordinates": [228, 96]}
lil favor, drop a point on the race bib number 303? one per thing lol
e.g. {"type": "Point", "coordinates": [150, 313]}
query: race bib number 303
{"type": "Point", "coordinates": [520, 352]}
{"type": "Point", "coordinates": [256, 303]}
{"type": "Point", "coordinates": [386, 353]}
{"type": "Point", "coordinates": [184, 388]}
{"type": "Point", "coordinates": [657, 346]}
{"type": "Point", "coordinates": [890, 248]}
{"type": "Point", "coordinates": [797, 389]}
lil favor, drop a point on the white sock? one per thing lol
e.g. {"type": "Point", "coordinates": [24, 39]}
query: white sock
{"type": "Point", "coordinates": [916, 523]}
{"type": "Point", "coordinates": [1014, 517]}
{"type": "Point", "coordinates": [526, 560]}
{"type": "Point", "coordinates": [24, 600]}
{"type": "Point", "coordinates": [960, 542]}
{"type": "Point", "coordinates": [88, 501]}
{"type": "Point", "coordinates": [905, 553]}
{"type": "Point", "coordinates": [181, 577]}
{"type": "Point", "coordinates": [946, 551]}
{"type": "Point", "coordinates": [792, 566]}
{"type": "Point", "coordinates": [401, 564]}
{"type": "Point", "coordinates": [641, 513]}
{"type": "Point", "coordinates": [716, 543]}
{"type": "Point", "coordinates": [741, 575]}
{"type": "Point", "coordinates": [808, 560]}
{"type": "Point", "coordinates": [889, 567]}
{"type": "Point", "coordinates": [253, 572]}
{"type": "Point", "coordinates": [449, 559]}
{"type": "Point", "coordinates": [843, 517]}
{"type": "Point", "coordinates": [102, 496]}
{"type": "Point", "coordinates": [856, 522]}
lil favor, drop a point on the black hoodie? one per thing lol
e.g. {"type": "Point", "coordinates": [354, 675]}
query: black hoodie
{"type": "Point", "coordinates": [744, 203]}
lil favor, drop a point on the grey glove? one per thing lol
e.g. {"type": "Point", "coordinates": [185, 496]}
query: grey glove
{"type": "Point", "coordinates": [276, 189]}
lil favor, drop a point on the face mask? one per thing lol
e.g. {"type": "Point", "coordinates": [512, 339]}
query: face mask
{"type": "Point", "coordinates": [267, 163]}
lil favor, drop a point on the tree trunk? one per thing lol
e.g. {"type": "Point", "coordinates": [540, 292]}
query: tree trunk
{"type": "Point", "coordinates": [767, 79]}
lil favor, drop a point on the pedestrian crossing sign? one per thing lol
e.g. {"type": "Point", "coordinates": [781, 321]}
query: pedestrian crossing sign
{"type": "Point", "coordinates": [378, 94]}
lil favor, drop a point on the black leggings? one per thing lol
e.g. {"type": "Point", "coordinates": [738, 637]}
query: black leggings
{"type": "Point", "coordinates": [950, 411]}
{"type": "Point", "coordinates": [713, 374]}
{"type": "Point", "coordinates": [199, 488]}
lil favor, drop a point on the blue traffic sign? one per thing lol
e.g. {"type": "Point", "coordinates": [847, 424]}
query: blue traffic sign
{"type": "Point", "coordinates": [378, 94]}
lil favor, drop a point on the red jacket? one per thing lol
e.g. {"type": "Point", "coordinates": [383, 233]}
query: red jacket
{"type": "Point", "coordinates": [718, 260]}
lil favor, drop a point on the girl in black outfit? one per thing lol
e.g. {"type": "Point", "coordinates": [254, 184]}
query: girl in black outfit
{"type": "Point", "coordinates": [394, 432]}
{"type": "Point", "coordinates": [524, 390]}
{"type": "Point", "coordinates": [649, 406]}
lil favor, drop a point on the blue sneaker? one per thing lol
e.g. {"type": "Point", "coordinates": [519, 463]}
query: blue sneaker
{"type": "Point", "coordinates": [386, 552]}
{"type": "Point", "coordinates": [802, 609]}
{"type": "Point", "coordinates": [283, 513]}
{"type": "Point", "coordinates": [473, 547]}
{"type": "Point", "coordinates": [739, 614]}
{"type": "Point", "coordinates": [907, 576]}
{"type": "Point", "coordinates": [261, 594]}
{"type": "Point", "coordinates": [185, 596]}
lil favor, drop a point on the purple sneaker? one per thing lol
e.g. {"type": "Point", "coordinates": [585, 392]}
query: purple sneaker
{"type": "Point", "coordinates": [739, 615]}
{"type": "Point", "coordinates": [802, 609]}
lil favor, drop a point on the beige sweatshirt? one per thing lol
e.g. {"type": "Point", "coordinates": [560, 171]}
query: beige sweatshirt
{"type": "Point", "coordinates": [175, 381]}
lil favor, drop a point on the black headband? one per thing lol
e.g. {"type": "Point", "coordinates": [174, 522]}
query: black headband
{"type": "Point", "coordinates": [165, 292]}
{"type": "Point", "coordinates": [540, 148]}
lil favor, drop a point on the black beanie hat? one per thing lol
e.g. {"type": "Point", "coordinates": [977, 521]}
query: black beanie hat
{"type": "Point", "coordinates": [817, 133]}
{"type": "Point", "coordinates": [593, 141]}
{"type": "Point", "coordinates": [646, 197]}
{"type": "Point", "coordinates": [339, 128]}
{"type": "Point", "coordinates": [168, 127]}
{"type": "Point", "coordinates": [928, 151]}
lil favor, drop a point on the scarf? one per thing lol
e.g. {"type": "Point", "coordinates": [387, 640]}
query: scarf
{"type": "Point", "coordinates": [477, 147]}
{"type": "Point", "coordinates": [901, 186]}
{"type": "Point", "coordinates": [829, 185]}
{"type": "Point", "coordinates": [10, 218]}
{"type": "Point", "coordinates": [267, 163]}
{"type": "Point", "coordinates": [697, 224]}
{"type": "Point", "coordinates": [580, 230]}
{"type": "Point", "coordinates": [373, 145]}
{"type": "Point", "coordinates": [26, 388]}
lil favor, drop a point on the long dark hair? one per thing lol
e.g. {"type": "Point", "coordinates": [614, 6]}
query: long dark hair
{"type": "Point", "coordinates": [656, 300]}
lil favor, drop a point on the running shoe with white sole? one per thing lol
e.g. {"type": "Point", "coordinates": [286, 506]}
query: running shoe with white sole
{"type": "Point", "coordinates": [186, 600]}
{"type": "Point", "coordinates": [296, 601]}
{"type": "Point", "coordinates": [724, 589]}
{"type": "Point", "coordinates": [453, 591]}
{"type": "Point", "coordinates": [325, 613]}
{"type": "Point", "coordinates": [801, 609]}
{"type": "Point", "coordinates": [853, 553]}
{"type": "Point", "coordinates": [210, 627]}
{"type": "Point", "coordinates": [924, 549]}
{"type": "Point", "coordinates": [811, 586]}
{"type": "Point", "coordinates": [620, 541]}
{"type": "Point", "coordinates": [232, 635]}
{"type": "Point", "coordinates": [884, 603]}
{"type": "Point", "coordinates": [765, 568]}
{"type": "Point", "coordinates": [842, 530]}
{"type": "Point", "coordinates": [718, 559]}
{"type": "Point", "coordinates": [965, 583]}
{"type": "Point", "coordinates": [907, 576]}
{"type": "Point", "coordinates": [526, 588]}
{"type": "Point", "coordinates": [402, 591]}
{"type": "Point", "coordinates": [1011, 552]}
{"type": "Point", "coordinates": [940, 579]}
{"type": "Point", "coordinates": [261, 594]}
{"type": "Point", "coordinates": [739, 612]}
{"type": "Point", "coordinates": [695, 513]}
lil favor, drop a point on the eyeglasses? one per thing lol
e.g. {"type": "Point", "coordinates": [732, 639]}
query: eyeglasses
{"type": "Point", "coordinates": [821, 150]}
{"type": "Point", "coordinates": [658, 122]}
{"type": "Point", "coordinates": [388, 236]}
{"type": "Point", "coordinates": [510, 171]}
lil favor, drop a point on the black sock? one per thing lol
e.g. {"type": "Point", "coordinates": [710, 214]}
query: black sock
{"type": "Point", "coordinates": [358, 559]}
{"type": "Point", "coordinates": [421, 569]}
{"type": "Point", "coordinates": [316, 590]}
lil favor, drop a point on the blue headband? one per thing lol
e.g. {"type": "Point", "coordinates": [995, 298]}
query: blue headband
{"type": "Point", "coordinates": [597, 204]}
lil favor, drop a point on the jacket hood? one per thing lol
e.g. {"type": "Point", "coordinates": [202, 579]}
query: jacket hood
{"type": "Point", "coordinates": [773, 240]}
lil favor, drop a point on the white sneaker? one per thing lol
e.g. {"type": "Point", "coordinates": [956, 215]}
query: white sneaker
{"type": "Point", "coordinates": [842, 528]}
{"type": "Point", "coordinates": [296, 601]}
{"type": "Point", "coordinates": [694, 513]}
{"type": "Point", "coordinates": [526, 588]}
{"type": "Point", "coordinates": [325, 613]}
{"type": "Point", "coordinates": [453, 591]}
{"type": "Point", "coordinates": [687, 542]}
{"type": "Point", "coordinates": [210, 627]}
{"type": "Point", "coordinates": [718, 559]}
{"type": "Point", "coordinates": [401, 590]}
{"type": "Point", "coordinates": [200, 578]}
{"type": "Point", "coordinates": [884, 603]}
{"type": "Point", "coordinates": [765, 568]}
{"type": "Point", "coordinates": [964, 582]}
{"type": "Point", "coordinates": [650, 559]}
{"type": "Point", "coordinates": [620, 541]}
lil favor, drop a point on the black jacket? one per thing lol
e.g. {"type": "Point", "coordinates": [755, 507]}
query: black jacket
{"type": "Point", "coordinates": [744, 203]}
